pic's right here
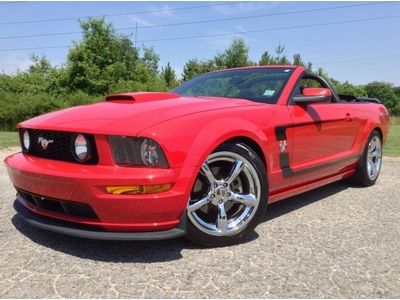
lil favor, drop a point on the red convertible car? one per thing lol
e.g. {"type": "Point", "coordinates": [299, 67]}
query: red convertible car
{"type": "Point", "coordinates": [202, 161]}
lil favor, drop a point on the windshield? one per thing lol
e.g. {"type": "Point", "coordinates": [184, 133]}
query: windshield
{"type": "Point", "coordinates": [256, 84]}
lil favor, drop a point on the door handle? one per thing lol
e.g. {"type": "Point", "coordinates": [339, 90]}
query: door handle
{"type": "Point", "coordinates": [348, 117]}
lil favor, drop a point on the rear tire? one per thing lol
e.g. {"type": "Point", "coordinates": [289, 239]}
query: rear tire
{"type": "Point", "coordinates": [370, 162]}
{"type": "Point", "coordinates": [229, 197]}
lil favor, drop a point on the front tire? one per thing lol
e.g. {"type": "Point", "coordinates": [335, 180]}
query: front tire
{"type": "Point", "coordinates": [229, 197]}
{"type": "Point", "coordinates": [370, 162]}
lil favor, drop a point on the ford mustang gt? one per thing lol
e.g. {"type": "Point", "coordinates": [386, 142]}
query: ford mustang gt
{"type": "Point", "coordinates": [202, 161]}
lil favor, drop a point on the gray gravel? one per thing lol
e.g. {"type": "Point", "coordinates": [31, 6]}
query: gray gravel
{"type": "Point", "coordinates": [337, 241]}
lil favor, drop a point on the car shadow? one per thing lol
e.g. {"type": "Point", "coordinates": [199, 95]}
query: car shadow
{"type": "Point", "coordinates": [288, 205]}
{"type": "Point", "coordinates": [153, 251]}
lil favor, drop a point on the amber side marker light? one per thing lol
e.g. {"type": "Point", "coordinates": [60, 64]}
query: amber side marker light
{"type": "Point", "coordinates": [138, 189]}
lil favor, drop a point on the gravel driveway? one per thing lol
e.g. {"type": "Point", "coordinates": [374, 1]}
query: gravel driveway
{"type": "Point", "coordinates": [337, 241]}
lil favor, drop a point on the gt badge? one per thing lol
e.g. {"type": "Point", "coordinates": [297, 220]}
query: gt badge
{"type": "Point", "coordinates": [282, 145]}
{"type": "Point", "coordinates": [44, 142]}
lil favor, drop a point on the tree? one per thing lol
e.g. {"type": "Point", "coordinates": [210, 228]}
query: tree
{"type": "Point", "coordinates": [297, 61]}
{"type": "Point", "coordinates": [280, 57]}
{"type": "Point", "coordinates": [169, 76]}
{"type": "Point", "coordinates": [347, 88]}
{"type": "Point", "coordinates": [151, 59]}
{"type": "Point", "coordinates": [384, 92]}
{"type": "Point", "coordinates": [101, 58]}
{"type": "Point", "coordinates": [191, 69]}
{"type": "Point", "coordinates": [236, 55]}
{"type": "Point", "coordinates": [41, 65]}
{"type": "Point", "coordinates": [194, 67]}
{"type": "Point", "coordinates": [309, 67]}
{"type": "Point", "coordinates": [266, 59]}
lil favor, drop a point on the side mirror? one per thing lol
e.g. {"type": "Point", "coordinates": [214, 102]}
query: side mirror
{"type": "Point", "coordinates": [313, 95]}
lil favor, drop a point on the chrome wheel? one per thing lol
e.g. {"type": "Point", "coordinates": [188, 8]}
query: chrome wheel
{"type": "Point", "coordinates": [374, 157]}
{"type": "Point", "coordinates": [226, 194]}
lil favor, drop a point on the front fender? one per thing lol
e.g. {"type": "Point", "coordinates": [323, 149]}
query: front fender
{"type": "Point", "coordinates": [187, 141]}
{"type": "Point", "coordinates": [216, 132]}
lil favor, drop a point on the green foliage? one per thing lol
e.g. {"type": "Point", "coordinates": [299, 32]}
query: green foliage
{"type": "Point", "coordinates": [297, 60]}
{"type": "Point", "coordinates": [386, 93]}
{"type": "Point", "coordinates": [392, 145]}
{"type": "Point", "coordinates": [169, 76]}
{"type": "Point", "coordinates": [347, 88]}
{"type": "Point", "coordinates": [101, 58]}
{"type": "Point", "coordinates": [266, 59]}
{"type": "Point", "coordinates": [236, 55]}
{"type": "Point", "coordinates": [194, 67]}
{"type": "Point", "coordinates": [280, 58]}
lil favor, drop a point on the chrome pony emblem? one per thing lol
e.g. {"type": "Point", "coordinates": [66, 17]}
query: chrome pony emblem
{"type": "Point", "coordinates": [44, 142]}
{"type": "Point", "coordinates": [282, 145]}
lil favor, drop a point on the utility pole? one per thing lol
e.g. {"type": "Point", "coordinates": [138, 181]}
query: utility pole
{"type": "Point", "coordinates": [136, 35]}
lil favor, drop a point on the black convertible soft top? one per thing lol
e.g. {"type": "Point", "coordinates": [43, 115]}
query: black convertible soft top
{"type": "Point", "coordinates": [351, 98]}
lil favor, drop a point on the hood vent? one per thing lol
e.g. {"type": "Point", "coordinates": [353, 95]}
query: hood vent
{"type": "Point", "coordinates": [120, 97]}
{"type": "Point", "coordinates": [142, 97]}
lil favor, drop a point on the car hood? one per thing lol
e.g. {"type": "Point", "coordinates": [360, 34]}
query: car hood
{"type": "Point", "coordinates": [130, 115]}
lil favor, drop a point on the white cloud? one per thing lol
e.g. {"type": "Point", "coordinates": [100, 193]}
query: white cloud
{"type": "Point", "coordinates": [132, 19]}
{"type": "Point", "coordinates": [14, 62]}
{"type": "Point", "coordinates": [164, 13]}
{"type": "Point", "coordinates": [243, 7]}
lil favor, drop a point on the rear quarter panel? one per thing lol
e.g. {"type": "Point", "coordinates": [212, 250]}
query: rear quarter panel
{"type": "Point", "coordinates": [369, 116]}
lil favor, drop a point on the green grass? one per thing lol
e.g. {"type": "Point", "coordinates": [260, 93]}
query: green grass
{"type": "Point", "coordinates": [8, 139]}
{"type": "Point", "coordinates": [392, 145]}
{"type": "Point", "coordinates": [391, 148]}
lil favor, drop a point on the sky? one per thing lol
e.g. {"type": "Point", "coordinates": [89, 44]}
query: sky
{"type": "Point", "coordinates": [359, 44]}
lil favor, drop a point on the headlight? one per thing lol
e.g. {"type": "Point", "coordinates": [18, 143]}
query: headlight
{"type": "Point", "coordinates": [81, 148]}
{"type": "Point", "coordinates": [133, 151]}
{"type": "Point", "coordinates": [26, 140]}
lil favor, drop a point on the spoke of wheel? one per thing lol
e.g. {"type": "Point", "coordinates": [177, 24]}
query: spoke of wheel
{"type": "Point", "coordinates": [237, 168]}
{"type": "Point", "coordinates": [199, 204]}
{"type": "Point", "coordinates": [245, 199]}
{"type": "Point", "coordinates": [207, 171]}
{"type": "Point", "coordinates": [222, 220]}
{"type": "Point", "coordinates": [375, 153]}
{"type": "Point", "coordinates": [374, 169]}
{"type": "Point", "coordinates": [371, 146]}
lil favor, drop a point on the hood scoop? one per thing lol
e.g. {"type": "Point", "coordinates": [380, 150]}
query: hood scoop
{"type": "Point", "coordinates": [141, 97]}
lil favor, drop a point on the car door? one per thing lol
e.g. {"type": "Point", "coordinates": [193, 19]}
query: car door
{"type": "Point", "coordinates": [323, 136]}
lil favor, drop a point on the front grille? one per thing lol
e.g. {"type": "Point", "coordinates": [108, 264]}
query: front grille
{"type": "Point", "coordinates": [74, 209]}
{"type": "Point", "coordinates": [61, 146]}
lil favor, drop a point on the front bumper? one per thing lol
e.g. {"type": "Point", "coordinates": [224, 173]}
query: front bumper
{"type": "Point", "coordinates": [69, 229]}
{"type": "Point", "coordinates": [118, 214]}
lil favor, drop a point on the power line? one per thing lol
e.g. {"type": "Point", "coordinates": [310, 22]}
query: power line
{"type": "Point", "coordinates": [267, 15]}
{"type": "Point", "coordinates": [33, 48]}
{"type": "Point", "coordinates": [223, 34]}
{"type": "Point", "coordinates": [270, 29]}
{"type": "Point", "coordinates": [12, 2]}
{"type": "Point", "coordinates": [117, 14]}
{"type": "Point", "coordinates": [200, 22]}
{"type": "Point", "coordinates": [357, 60]}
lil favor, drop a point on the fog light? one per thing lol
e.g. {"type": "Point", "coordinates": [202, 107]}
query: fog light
{"type": "Point", "coordinates": [138, 189]}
